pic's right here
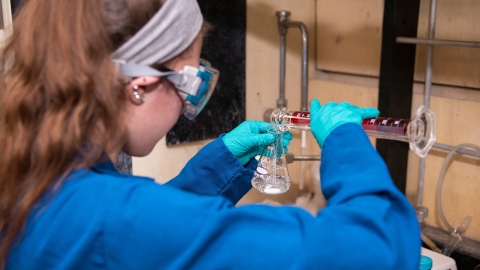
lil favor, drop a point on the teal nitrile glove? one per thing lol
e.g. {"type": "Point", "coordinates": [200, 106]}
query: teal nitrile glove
{"type": "Point", "coordinates": [324, 119]}
{"type": "Point", "coordinates": [250, 138]}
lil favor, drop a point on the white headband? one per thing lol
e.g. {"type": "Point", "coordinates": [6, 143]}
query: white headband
{"type": "Point", "coordinates": [167, 34]}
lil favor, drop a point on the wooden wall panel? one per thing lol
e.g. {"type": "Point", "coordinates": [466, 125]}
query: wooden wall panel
{"type": "Point", "coordinates": [455, 20]}
{"type": "Point", "coordinates": [348, 36]}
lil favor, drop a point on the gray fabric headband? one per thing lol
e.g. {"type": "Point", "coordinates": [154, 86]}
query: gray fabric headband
{"type": "Point", "coordinates": [168, 33]}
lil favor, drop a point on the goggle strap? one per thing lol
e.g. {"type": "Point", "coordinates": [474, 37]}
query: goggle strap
{"type": "Point", "coordinates": [134, 70]}
{"type": "Point", "coordinates": [175, 78]}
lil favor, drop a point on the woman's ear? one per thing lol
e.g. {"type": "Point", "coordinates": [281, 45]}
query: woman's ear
{"type": "Point", "coordinates": [136, 88]}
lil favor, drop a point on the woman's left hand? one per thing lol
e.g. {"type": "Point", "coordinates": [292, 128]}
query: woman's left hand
{"type": "Point", "coordinates": [250, 138]}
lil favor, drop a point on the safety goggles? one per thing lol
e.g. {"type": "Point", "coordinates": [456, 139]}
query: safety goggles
{"type": "Point", "coordinates": [195, 85]}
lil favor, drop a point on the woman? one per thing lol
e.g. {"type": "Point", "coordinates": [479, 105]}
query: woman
{"type": "Point", "coordinates": [83, 80]}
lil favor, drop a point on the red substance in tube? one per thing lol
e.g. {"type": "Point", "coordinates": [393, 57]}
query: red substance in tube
{"type": "Point", "coordinates": [379, 124]}
{"type": "Point", "coordinates": [302, 118]}
{"type": "Point", "coordinates": [386, 125]}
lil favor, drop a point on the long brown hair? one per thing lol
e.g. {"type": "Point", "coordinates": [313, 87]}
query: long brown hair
{"type": "Point", "coordinates": [61, 97]}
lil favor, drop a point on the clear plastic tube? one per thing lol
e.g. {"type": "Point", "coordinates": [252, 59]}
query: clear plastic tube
{"type": "Point", "coordinates": [456, 237]}
{"type": "Point", "coordinates": [442, 177]}
{"type": "Point", "coordinates": [419, 131]}
{"type": "Point", "coordinates": [455, 234]}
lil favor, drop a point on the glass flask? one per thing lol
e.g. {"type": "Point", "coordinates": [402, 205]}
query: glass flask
{"type": "Point", "coordinates": [271, 175]}
{"type": "Point", "coordinates": [419, 131]}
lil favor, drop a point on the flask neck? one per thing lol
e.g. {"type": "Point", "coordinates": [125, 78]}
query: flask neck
{"type": "Point", "coordinates": [288, 119]}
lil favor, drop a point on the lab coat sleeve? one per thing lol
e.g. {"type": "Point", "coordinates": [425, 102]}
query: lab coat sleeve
{"type": "Point", "coordinates": [365, 209]}
{"type": "Point", "coordinates": [213, 171]}
{"type": "Point", "coordinates": [367, 224]}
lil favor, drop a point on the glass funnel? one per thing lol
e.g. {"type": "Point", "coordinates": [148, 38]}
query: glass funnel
{"type": "Point", "coordinates": [271, 175]}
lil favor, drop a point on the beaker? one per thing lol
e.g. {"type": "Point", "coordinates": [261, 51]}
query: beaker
{"type": "Point", "coordinates": [271, 175]}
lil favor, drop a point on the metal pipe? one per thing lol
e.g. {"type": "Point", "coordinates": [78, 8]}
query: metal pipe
{"type": "Point", "coordinates": [304, 85]}
{"type": "Point", "coordinates": [283, 25]}
{"type": "Point", "coordinates": [422, 213]}
{"type": "Point", "coordinates": [428, 85]}
{"type": "Point", "coordinates": [439, 42]}
{"type": "Point", "coordinates": [281, 101]}
{"type": "Point", "coordinates": [304, 104]}
{"type": "Point", "coordinates": [307, 157]}
{"type": "Point", "coordinates": [282, 30]}
{"type": "Point", "coordinates": [431, 36]}
{"type": "Point", "coordinates": [460, 151]}
{"type": "Point", "coordinates": [290, 158]}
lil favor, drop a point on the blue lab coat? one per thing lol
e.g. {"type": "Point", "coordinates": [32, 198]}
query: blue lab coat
{"type": "Point", "coordinates": [101, 219]}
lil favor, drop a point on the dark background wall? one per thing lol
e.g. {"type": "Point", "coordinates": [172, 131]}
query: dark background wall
{"type": "Point", "coordinates": [224, 48]}
{"type": "Point", "coordinates": [15, 4]}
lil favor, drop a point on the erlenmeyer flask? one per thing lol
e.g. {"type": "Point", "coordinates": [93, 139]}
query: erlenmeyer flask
{"type": "Point", "coordinates": [271, 175]}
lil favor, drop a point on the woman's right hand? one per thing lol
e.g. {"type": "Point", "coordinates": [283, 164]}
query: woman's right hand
{"type": "Point", "coordinates": [324, 119]}
{"type": "Point", "coordinates": [250, 138]}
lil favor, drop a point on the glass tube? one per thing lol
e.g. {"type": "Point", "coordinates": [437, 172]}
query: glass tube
{"type": "Point", "coordinates": [419, 131]}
